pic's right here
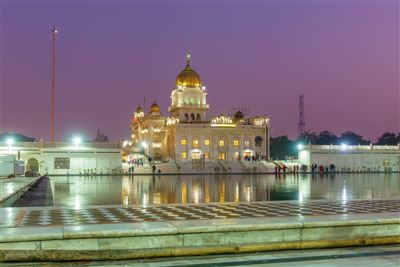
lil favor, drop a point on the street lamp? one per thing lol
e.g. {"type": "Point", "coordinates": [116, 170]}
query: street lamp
{"type": "Point", "coordinates": [77, 141]}
{"type": "Point", "coordinates": [300, 146]}
{"type": "Point", "coordinates": [343, 146]}
{"type": "Point", "coordinates": [10, 141]}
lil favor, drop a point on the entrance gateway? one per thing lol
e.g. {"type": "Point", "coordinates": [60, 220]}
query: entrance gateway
{"type": "Point", "coordinates": [195, 154]}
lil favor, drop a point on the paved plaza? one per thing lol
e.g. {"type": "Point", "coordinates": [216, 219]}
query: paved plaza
{"type": "Point", "coordinates": [156, 213]}
{"type": "Point", "coordinates": [128, 232]}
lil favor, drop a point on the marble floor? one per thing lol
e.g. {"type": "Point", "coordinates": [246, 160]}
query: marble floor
{"type": "Point", "coordinates": [28, 217]}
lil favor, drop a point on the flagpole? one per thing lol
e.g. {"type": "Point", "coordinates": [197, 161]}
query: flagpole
{"type": "Point", "coordinates": [54, 32]}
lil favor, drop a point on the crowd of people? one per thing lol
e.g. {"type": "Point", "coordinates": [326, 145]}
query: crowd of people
{"type": "Point", "coordinates": [254, 158]}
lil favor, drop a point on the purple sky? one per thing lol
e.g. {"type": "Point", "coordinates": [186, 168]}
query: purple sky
{"type": "Point", "coordinates": [344, 57]}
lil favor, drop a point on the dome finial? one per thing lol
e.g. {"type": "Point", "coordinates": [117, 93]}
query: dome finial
{"type": "Point", "coordinates": [188, 58]}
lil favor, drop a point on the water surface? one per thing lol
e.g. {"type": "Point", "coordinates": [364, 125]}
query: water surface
{"type": "Point", "coordinates": [83, 191]}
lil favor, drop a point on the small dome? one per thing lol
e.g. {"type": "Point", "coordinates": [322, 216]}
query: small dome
{"type": "Point", "coordinates": [139, 109]}
{"type": "Point", "coordinates": [155, 108]}
{"type": "Point", "coordinates": [188, 77]}
{"type": "Point", "coordinates": [239, 115]}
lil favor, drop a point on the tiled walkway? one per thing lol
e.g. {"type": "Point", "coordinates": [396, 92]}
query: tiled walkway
{"type": "Point", "coordinates": [109, 215]}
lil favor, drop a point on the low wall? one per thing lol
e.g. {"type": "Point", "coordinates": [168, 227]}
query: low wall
{"type": "Point", "coordinates": [178, 238]}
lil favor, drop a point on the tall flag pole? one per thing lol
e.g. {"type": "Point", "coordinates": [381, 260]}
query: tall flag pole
{"type": "Point", "coordinates": [54, 33]}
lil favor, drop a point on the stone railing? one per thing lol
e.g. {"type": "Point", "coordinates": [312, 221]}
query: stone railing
{"type": "Point", "coordinates": [352, 147]}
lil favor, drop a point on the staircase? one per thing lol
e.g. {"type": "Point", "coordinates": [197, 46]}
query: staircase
{"type": "Point", "coordinates": [234, 166]}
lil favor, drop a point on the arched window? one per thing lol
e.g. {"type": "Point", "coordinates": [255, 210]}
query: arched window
{"type": "Point", "coordinates": [197, 117]}
{"type": "Point", "coordinates": [246, 142]}
{"type": "Point", "coordinates": [207, 141]}
{"type": "Point", "coordinates": [183, 141]}
{"type": "Point", "coordinates": [195, 142]}
{"type": "Point", "coordinates": [192, 117]}
{"type": "Point", "coordinates": [32, 165]}
{"type": "Point", "coordinates": [221, 142]}
{"type": "Point", "coordinates": [186, 116]}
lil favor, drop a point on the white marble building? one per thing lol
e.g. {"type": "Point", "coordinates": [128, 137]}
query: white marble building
{"type": "Point", "coordinates": [188, 133]}
{"type": "Point", "coordinates": [352, 158]}
{"type": "Point", "coordinates": [62, 157]}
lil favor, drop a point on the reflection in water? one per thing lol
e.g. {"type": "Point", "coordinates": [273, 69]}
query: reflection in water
{"type": "Point", "coordinates": [78, 192]}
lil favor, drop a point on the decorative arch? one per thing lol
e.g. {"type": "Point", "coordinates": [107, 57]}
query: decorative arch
{"type": "Point", "coordinates": [197, 117]}
{"type": "Point", "coordinates": [192, 117]}
{"type": "Point", "coordinates": [32, 165]}
{"type": "Point", "coordinates": [186, 116]}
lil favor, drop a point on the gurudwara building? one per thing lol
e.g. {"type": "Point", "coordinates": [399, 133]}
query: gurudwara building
{"type": "Point", "coordinates": [188, 133]}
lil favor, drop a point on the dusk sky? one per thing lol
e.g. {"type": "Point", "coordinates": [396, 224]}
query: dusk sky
{"type": "Point", "coordinates": [343, 56]}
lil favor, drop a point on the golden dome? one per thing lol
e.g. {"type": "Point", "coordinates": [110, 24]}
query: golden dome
{"type": "Point", "coordinates": [188, 77]}
{"type": "Point", "coordinates": [155, 108]}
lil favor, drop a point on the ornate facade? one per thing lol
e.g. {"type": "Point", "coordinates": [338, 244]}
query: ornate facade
{"type": "Point", "coordinates": [188, 133]}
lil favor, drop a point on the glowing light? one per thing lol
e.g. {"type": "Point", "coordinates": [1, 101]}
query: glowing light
{"type": "Point", "coordinates": [77, 141]}
{"type": "Point", "coordinates": [10, 141]}
{"type": "Point", "coordinates": [156, 145]}
{"type": "Point", "coordinates": [259, 121]}
{"type": "Point", "coordinates": [300, 147]}
{"type": "Point", "coordinates": [222, 120]}
{"type": "Point", "coordinates": [343, 146]}
{"type": "Point", "coordinates": [171, 121]}
{"type": "Point", "coordinates": [144, 144]}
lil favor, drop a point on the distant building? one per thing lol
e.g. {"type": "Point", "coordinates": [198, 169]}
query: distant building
{"type": "Point", "coordinates": [189, 134]}
{"type": "Point", "coordinates": [62, 157]}
{"type": "Point", "coordinates": [352, 158]}
{"type": "Point", "coordinates": [100, 137]}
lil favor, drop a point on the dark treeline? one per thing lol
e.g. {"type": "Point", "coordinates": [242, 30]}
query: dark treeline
{"type": "Point", "coordinates": [17, 137]}
{"type": "Point", "coordinates": [282, 147]}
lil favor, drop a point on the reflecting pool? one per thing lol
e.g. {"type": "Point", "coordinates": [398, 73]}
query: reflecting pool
{"type": "Point", "coordinates": [83, 191]}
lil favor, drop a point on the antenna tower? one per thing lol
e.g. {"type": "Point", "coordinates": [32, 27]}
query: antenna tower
{"type": "Point", "coordinates": [302, 117]}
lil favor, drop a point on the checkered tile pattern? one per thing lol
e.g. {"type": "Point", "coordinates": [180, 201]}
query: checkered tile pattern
{"type": "Point", "coordinates": [107, 215]}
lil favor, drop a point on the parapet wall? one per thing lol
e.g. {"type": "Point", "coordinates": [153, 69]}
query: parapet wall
{"type": "Point", "coordinates": [178, 238]}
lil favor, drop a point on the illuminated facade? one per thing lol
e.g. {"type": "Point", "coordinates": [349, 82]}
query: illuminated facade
{"type": "Point", "coordinates": [189, 134]}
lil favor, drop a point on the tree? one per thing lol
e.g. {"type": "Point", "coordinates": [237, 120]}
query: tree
{"type": "Point", "coordinates": [352, 138]}
{"type": "Point", "coordinates": [281, 147]}
{"type": "Point", "coordinates": [308, 138]}
{"type": "Point", "coordinates": [17, 137]}
{"type": "Point", "coordinates": [388, 138]}
{"type": "Point", "coordinates": [326, 138]}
